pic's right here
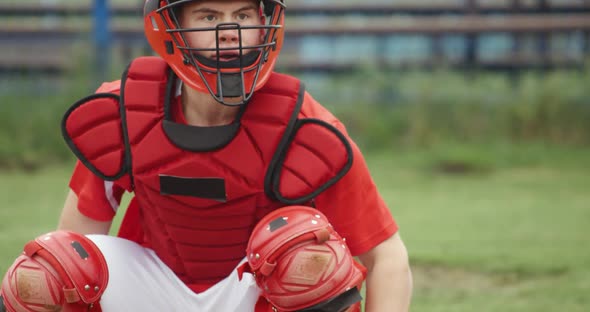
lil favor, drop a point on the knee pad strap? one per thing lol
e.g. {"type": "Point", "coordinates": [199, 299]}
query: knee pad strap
{"type": "Point", "coordinates": [2, 307]}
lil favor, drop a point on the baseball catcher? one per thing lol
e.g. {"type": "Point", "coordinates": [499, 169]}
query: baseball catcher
{"type": "Point", "coordinates": [246, 193]}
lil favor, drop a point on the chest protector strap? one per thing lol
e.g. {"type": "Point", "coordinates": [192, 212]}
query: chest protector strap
{"type": "Point", "coordinates": [311, 155]}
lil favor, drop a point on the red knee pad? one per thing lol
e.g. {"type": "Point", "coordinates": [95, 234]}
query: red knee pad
{"type": "Point", "coordinates": [301, 263]}
{"type": "Point", "coordinates": [57, 270]}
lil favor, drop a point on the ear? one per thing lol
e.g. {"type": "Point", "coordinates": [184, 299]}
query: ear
{"type": "Point", "coordinates": [262, 30]}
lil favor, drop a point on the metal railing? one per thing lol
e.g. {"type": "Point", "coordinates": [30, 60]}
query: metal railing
{"type": "Point", "coordinates": [436, 22]}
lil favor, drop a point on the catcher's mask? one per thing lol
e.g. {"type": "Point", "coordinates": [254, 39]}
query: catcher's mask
{"type": "Point", "coordinates": [237, 78]}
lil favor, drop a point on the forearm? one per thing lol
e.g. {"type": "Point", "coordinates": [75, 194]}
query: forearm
{"type": "Point", "coordinates": [389, 288]}
{"type": "Point", "coordinates": [389, 278]}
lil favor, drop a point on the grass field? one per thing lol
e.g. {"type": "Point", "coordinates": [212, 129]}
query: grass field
{"type": "Point", "coordinates": [510, 233]}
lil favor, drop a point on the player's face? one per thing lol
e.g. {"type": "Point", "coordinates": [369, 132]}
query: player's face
{"type": "Point", "coordinates": [209, 13]}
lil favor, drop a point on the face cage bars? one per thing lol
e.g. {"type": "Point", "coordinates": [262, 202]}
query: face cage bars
{"type": "Point", "coordinates": [270, 41]}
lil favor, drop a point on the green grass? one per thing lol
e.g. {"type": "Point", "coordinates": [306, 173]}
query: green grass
{"type": "Point", "coordinates": [420, 111]}
{"type": "Point", "coordinates": [31, 203]}
{"type": "Point", "coordinates": [512, 237]}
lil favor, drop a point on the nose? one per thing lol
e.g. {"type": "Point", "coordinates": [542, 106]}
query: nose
{"type": "Point", "coordinates": [228, 33]}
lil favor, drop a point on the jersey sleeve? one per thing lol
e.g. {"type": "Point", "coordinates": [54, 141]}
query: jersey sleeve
{"type": "Point", "coordinates": [97, 199]}
{"type": "Point", "coordinates": [353, 205]}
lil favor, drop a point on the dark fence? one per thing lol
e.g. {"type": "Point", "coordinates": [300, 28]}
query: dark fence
{"type": "Point", "coordinates": [335, 8]}
{"type": "Point", "coordinates": [455, 35]}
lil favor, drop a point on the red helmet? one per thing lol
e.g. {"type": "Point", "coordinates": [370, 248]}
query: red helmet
{"type": "Point", "coordinates": [301, 263]}
{"type": "Point", "coordinates": [222, 79]}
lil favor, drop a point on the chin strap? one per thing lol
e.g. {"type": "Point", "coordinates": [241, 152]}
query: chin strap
{"type": "Point", "coordinates": [2, 307]}
{"type": "Point", "coordinates": [341, 303]}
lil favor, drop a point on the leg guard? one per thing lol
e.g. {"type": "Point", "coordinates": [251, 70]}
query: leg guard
{"type": "Point", "coordinates": [58, 271]}
{"type": "Point", "coordinates": [302, 264]}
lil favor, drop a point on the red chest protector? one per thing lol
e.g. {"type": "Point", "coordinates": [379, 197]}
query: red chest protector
{"type": "Point", "coordinates": [201, 190]}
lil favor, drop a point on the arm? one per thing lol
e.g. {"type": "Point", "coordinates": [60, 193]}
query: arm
{"type": "Point", "coordinates": [71, 219]}
{"type": "Point", "coordinates": [389, 279]}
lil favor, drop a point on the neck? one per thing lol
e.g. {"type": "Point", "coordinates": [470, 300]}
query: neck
{"type": "Point", "coordinates": [200, 109]}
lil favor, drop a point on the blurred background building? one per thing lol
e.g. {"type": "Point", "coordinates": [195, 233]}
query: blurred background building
{"type": "Point", "coordinates": [324, 39]}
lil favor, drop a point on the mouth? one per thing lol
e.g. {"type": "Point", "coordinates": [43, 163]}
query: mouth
{"type": "Point", "coordinates": [228, 59]}
{"type": "Point", "coordinates": [226, 56]}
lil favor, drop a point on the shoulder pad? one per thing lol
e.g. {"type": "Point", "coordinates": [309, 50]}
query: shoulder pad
{"type": "Point", "coordinates": [280, 84]}
{"type": "Point", "coordinates": [308, 160]}
{"type": "Point", "coordinates": [93, 130]}
{"type": "Point", "coordinates": [95, 127]}
{"type": "Point", "coordinates": [150, 68]}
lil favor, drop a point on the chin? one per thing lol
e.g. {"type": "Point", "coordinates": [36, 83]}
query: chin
{"type": "Point", "coordinates": [232, 100]}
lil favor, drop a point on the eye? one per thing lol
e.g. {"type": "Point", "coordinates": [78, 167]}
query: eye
{"type": "Point", "coordinates": [209, 18]}
{"type": "Point", "coordinates": [242, 16]}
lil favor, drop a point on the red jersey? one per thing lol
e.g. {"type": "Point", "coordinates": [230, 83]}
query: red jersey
{"type": "Point", "coordinates": [353, 205]}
